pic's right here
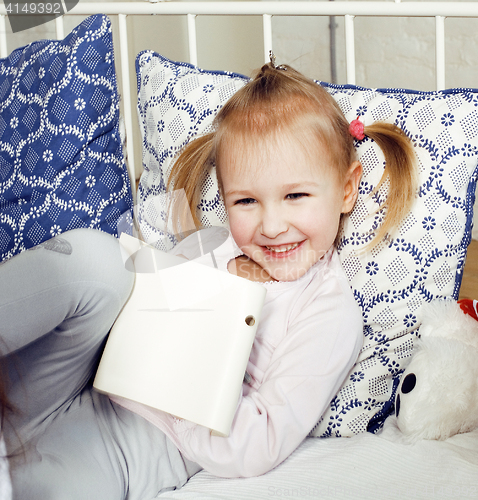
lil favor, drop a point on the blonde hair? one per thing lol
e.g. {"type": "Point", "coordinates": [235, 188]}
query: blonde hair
{"type": "Point", "coordinates": [282, 100]}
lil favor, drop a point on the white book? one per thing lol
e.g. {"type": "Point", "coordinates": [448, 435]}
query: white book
{"type": "Point", "coordinates": [182, 341]}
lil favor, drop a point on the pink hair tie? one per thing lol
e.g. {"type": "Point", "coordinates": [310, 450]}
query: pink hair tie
{"type": "Point", "coordinates": [356, 129]}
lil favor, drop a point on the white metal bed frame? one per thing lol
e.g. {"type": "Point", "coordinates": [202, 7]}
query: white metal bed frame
{"type": "Point", "coordinates": [267, 9]}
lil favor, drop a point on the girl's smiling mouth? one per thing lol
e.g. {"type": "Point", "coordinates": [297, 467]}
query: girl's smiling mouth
{"type": "Point", "coordinates": [281, 251]}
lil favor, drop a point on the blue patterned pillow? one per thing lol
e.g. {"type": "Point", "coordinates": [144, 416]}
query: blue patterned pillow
{"type": "Point", "coordinates": [391, 283]}
{"type": "Point", "coordinates": [61, 159]}
{"type": "Point", "coordinates": [426, 258]}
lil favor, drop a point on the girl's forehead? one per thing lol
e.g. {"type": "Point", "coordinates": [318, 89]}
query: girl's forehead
{"type": "Point", "coordinates": [257, 170]}
{"type": "Point", "coordinates": [280, 150]}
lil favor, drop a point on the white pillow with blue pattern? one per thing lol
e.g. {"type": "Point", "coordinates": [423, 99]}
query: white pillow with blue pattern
{"type": "Point", "coordinates": [61, 158]}
{"type": "Point", "coordinates": [391, 283]}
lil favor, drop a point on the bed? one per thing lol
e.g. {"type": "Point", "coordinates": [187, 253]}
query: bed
{"type": "Point", "coordinates": [69, 159]}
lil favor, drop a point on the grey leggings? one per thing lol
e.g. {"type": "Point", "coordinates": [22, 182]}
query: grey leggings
{"type": "Point", "coordinates": [57, 304]}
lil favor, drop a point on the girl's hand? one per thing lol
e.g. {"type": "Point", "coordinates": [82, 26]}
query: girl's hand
{"type": "Point", "coordinates": [247, 268]}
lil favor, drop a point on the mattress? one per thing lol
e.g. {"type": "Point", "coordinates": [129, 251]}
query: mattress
{"type": "Point", "coordinates": [366, 466]}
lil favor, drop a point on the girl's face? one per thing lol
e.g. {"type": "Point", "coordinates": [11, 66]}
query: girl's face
{"type": "Point", "coordinates": [284, 207]}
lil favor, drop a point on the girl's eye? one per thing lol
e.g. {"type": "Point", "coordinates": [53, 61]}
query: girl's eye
{"type": "Point", "coordinates": [245, 201]}
{"type": "Point", "coordinates": [296, 196]}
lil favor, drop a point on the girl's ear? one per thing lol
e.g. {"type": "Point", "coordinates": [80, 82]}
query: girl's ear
{"type": "Point", "coordinates": [352, 181]}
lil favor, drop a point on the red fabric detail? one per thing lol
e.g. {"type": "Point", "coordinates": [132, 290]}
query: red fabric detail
{"type": "Point", "coordinates": [469, 307]}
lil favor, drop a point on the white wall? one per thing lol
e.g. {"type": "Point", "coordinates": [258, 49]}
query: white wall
{"type": "Point", "coordinates": [390, 52]}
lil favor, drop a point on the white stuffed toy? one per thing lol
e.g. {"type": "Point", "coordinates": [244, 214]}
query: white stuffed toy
{"type": "Point", "coordinates": [438, 393]}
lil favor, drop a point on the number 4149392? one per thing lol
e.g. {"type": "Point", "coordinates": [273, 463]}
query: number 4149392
{"type": "Point", "coordinates": [34, 8]}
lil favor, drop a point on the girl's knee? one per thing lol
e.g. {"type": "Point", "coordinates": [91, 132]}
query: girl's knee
{"type": "Point", "coordinates": [92, 274]}
{"type": "Point", "coordinates": [98, 256]}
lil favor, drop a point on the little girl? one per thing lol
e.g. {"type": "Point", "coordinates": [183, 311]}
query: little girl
{"type": "Point", "coordinates": [287, 173]}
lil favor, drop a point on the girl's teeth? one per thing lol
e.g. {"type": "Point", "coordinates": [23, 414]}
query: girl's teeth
{"type": "Point", "coordinates": [283, 248]}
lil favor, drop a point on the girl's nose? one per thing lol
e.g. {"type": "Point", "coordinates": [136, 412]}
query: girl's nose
{"type": "Point", "coordinates": [273, 223]}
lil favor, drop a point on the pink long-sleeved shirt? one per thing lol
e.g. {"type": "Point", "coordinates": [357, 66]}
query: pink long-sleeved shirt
{"type": "Point", "coordinates": [309, 336]}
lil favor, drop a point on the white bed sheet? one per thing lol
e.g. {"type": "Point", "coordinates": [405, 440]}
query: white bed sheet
{"type": "Point", "coordinates": [367, 466]}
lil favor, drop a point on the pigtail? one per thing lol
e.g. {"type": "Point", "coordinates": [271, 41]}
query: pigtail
{"type": "Point", "coordinates": [188, 173]}
{"type": "Point", "coordinates": [400, 168]}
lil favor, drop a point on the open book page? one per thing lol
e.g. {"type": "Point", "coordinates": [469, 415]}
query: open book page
{"type": "Point", "coordinates": [182, 342]}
